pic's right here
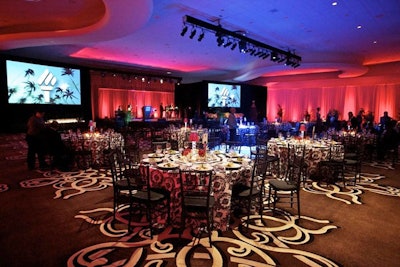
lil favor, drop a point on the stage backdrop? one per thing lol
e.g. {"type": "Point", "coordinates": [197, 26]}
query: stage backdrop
{"type": "Point", "coordinates": [111, 90]}
{"type": "Point", "coordinates": [110, 98]}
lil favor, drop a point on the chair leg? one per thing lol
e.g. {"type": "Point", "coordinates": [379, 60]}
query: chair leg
{"type": "Point", "coordinates": [148, 215]}
{"type": "Point", "coordinates": [182, 225]}
{"type": "Point", "coordinates": [275, 199]}
{"type": "Point", "coordinates": [248, 213]}
{"type": "Point", "coordinates": [298, 204]}
{"type": "Point", "coordinates": [269, 196]}
{"type": "Point", "coordinates": [209, 228]}
{"type": "Point", "coordinates": [261, 208]}
{"type": "Point", "coordinates": [169, 211]}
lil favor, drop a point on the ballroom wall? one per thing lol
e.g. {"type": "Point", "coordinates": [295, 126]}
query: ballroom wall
{"type": "Point", "coordinates": [377, 91]}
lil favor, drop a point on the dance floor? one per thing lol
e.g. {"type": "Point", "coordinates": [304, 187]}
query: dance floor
{"type": "Point", "coordinates": [66, 219]}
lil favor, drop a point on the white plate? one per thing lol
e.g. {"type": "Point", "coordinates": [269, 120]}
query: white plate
{"type": "Point", "coordinates": [155, 155]}
{"type": "Point", "coordinates": [234, 155]}
{"type": "Point", "coordinates": [152, 160]}
{"type": "Point", "coordinates": [232, 166]}
{"type": "Point", "coordinates": [168, 165]}
{"type": "Point", "coordinates": [203, 167]}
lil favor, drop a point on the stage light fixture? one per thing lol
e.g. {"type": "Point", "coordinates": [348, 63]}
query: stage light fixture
{"type": "Point", "coordinates": [246, 45]}
{"type": "Point", "coordinates": [228, 43]}
{"type": "Point", "coordinates": [201, 37]}
{"type": "Point", "coordinates": [274, 56]}
{"type": "Point", "coordinates": [220, 40]}
{"type": "Point", "coordinates": [184, 30]}
{"type": "Point", "coordinates": [265, 56]}
{"type": "Point", "coordinates": [193, 33]}
{"type": "Point", "coordinates": [242, 46]}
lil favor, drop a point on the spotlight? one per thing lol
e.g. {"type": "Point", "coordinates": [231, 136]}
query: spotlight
{"type": "Point", "coordinates": [184, 30]}
{"type": "Point", "coordinates": [228, 43]}
{"type": "Point", "coordinates": [192, 34]}
{"type": "Point", "coordinates": [258, 54]}
{"type": "Point", "coordinates": [265, 55]}
{"type": "Point", "coordinates": [281, 59]}
{"type": "Point", "coordinates": [201, 36]}
{"type": "Point", "coordinates": [220, 38]}
{"type": "Point", "coordinates": [274, 56]}
{"type": "Point", "coordinates": [242, 46]}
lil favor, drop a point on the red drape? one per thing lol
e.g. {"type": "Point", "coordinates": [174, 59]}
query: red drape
{"type": "Point", "coordinates": [109, 99]}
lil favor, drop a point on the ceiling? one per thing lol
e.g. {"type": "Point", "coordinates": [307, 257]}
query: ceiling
{"type": "Point", "coordinates": [144, 35]}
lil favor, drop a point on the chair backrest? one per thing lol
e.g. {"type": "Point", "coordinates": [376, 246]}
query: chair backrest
{"type": "Point", "coordinates": [261, 144]}
{"type": "Point", "coordinates": [112, 160]}
{"type": "Point", "coordinates": [132, 153]}
{"type": "Point", "coordinates": [143, 180]}
{"type": "Point", "coordinates": [336, 152]}
{"type": "Point", "coordinates": [196, 183]}
{"type": "Point", "coordinates": [296, 153]}
{"type": "Point", "coordinates": [258, 174]}
{"type": "Point", "coordinates": [351, 143]}
{"type": "Point", "coordinates": [123, 169]}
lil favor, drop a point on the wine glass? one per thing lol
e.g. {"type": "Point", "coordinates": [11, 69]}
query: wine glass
{"type": "Point", "coordinates": [185, 145]}
{"type": "Point", "coordinates": [168, 146]}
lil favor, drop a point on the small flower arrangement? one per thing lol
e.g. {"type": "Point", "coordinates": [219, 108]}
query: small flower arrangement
{"type": "Point", "coordinates": [186, 151]}
{"type": "Point", "coordinates": [202, 152]}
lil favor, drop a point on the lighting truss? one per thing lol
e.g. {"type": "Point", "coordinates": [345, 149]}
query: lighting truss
{"type": "Point", "coordinates": [226, 38]}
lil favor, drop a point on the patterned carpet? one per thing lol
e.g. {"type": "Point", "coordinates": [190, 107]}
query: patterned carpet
{"type": "Point", "coordinates": [268, 241]}
{"type": "Point", "coordinates": [274, 240]}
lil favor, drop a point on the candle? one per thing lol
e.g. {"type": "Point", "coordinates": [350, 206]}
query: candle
{"type": "Point", "coordinates": [205, 138]}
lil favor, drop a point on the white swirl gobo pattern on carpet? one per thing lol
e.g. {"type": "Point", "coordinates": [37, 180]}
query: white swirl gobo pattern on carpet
{"type": "Point", "coordinates": [239, 247]}
{"type": "Point", "coordinates": [269, 240]}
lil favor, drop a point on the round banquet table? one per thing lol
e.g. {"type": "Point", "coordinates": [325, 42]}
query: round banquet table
{"type": "Point", "coordinates": [181, 135]}
{"type": "Point", "coordinates": [96, 142]}
{"type": "Point", "coordinates": [223, 179]}
{"type": "Point", "coordinates": [315, 151]}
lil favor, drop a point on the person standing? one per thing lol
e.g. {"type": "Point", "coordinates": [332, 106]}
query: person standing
{"type": "Point", "coordinates": [35, 127]}
{"type": "Point", "coordinates": [232, 124]}
{"type": "Point", "coordinates": [253, 112]}
{"type": "Point", "coordinates": [385, 120]}
{"type": "Point", "coordinates": [161, 110]}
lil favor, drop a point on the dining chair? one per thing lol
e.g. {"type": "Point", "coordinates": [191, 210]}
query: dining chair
{"type": "Point", "coordinates": [284, 190]}
{"type": "Point", "coordinates": [121, 171]}
{"type": "Point", "coordinates": [132, 152]}
{"type": "Point", "coordinates": [83, 154]}
{"type": "Point", "coordinates": [296, 157]}
{"type": "Point", "coordinates": [353, 157]}
{"type": "Point", "coordinates": [143, 196]}
{"type": "Point", "coordinates": [260, 148]}
{"type": "Point", "coordinates": [197, 201]}
{"type": "Point", "coordinates": [254, 192]}
{"type": "Point", "coordinates": [337, 159]}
